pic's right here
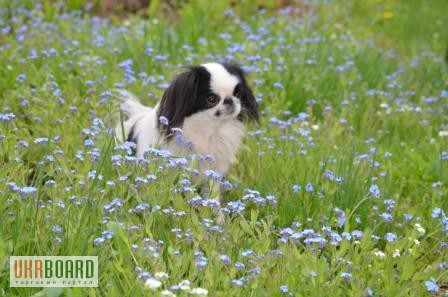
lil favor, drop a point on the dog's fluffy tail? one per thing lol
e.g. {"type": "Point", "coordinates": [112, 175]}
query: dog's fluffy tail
{"type": "Point", "coordinates": [130, 105]}
{"type": "Point", "coordinates": [131, 109]}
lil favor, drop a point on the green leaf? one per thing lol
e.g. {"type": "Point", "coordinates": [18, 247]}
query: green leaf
{"type": "Point", "coordinates": [49, 292]}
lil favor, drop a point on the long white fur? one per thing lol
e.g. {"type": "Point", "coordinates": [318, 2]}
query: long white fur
{"type": "Point", "coordinates": [222, 82]}
{"type": "Point", "coordinates": [219, 138]}
{"type": "Point", "coordinates": [144, 119]}
{"type": "Point", "coordinates": [221, 141]}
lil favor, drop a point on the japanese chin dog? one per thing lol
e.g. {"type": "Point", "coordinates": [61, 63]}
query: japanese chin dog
{"type": "Point", "coordinates": [203, 110]}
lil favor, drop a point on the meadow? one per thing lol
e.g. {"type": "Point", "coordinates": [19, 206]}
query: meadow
{"type": "Point", "coordinates": [340, 190]}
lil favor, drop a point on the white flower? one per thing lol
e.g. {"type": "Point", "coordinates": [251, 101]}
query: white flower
{"type": "Point", "coordinates": [161, 275]}
{"type": "Point", "coordinates": [153, 283]}
{"type": "Point", "coordinates": [443, 133]}
{"type": "Point", "coordinates": [396, 253]}
{"type": "Point", "coordinates": [417, 242]}
{"type": "Point", "coordinates": [315, 127]}
{"type": "Point", "coordinates": [167, 293]}
{"type": "Point", "coordinates": [379, 254]}
{"type": "Point", "coordinates": [185, 285]}
{"type": "Point", "coordinates": [420, 229]}
{"type": "Point", "coordinates": [199, 291]}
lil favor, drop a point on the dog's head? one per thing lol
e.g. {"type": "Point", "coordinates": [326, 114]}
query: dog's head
{"type": "Point", "coordinates": [217, 91]}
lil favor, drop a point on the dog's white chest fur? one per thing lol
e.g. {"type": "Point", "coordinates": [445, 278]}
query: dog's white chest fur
{"type": "Point", "coordinates": [218, 139]}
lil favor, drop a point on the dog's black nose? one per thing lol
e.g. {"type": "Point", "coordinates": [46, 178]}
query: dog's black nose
{"type": "Point", "coordinates": [228, 101]}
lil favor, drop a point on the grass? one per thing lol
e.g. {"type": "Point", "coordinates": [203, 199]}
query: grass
{"type": "Point", "coordinates": [353, 96]}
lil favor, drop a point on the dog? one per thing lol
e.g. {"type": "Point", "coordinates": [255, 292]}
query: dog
{"type": "Point", "coordinates": [204, 110]}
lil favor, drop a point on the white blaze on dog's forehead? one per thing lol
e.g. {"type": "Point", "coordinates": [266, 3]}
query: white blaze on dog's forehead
{"type": "Point", "coordinates": [221, 82]}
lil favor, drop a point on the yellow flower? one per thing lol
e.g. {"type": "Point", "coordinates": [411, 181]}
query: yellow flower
{"type": "Point", "coordinates": [388, 15]}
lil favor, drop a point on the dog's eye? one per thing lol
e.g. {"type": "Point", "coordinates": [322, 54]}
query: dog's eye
{"type": "Point", "coordinates": [212, 99]}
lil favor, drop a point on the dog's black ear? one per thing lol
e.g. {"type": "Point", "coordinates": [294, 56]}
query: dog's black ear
{"type": "Point", "coordinates": [178, 100]}
{"type": "Point", "coordinates": [249, 105]}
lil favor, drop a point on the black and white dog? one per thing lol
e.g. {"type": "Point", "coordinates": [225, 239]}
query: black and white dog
{"type": "Point", "coordinates": [207, 104]}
